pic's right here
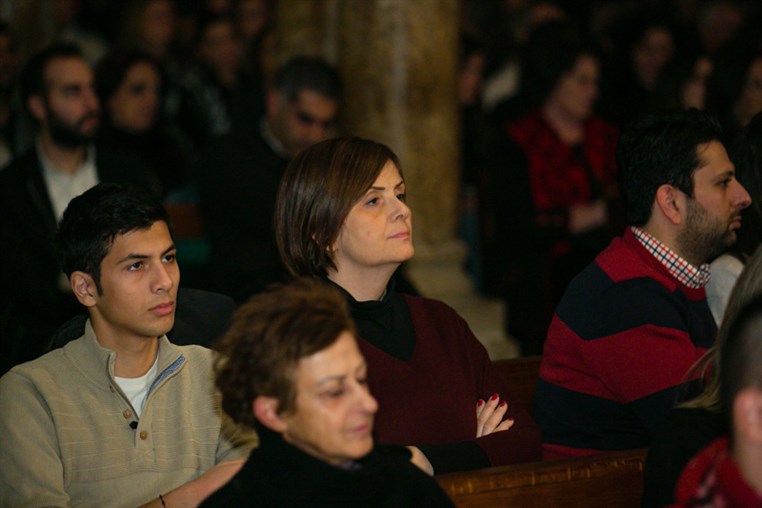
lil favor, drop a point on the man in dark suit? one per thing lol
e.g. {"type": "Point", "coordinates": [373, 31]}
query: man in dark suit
{"type": "Point", "coordinates": [57, 92]}
{"type": "Point", "coordinates": [240, 174]}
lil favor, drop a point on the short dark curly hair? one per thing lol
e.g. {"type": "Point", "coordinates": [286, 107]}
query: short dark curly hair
{"type": "Point", "coordinates": [660, 149]}
{"type": "Point", "coordinates": [93, 219]}
{"type": "Point", "coordinates": [270, 333]}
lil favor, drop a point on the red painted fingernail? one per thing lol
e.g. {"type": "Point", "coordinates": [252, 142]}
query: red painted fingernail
{"type": "Point", "coordinates": [510, 420]}
{"type": "Point", "coordinates": [494, 397]}
{"type": "Point", "coordinates": [479, 403]}
{"type": "Point", "coordinates": [501, 404]}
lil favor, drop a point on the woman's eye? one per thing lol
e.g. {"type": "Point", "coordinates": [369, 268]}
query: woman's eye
{"type": "Point", "coordinates": [170, 258]}
{"type": "Point", "coordinates": [335, 394]}
{"type": "Point", "coordinates": [371, 201]}
{"type": "Point", "coordinates": [135, 266]}
{"type": "Point", "coordinates": [402, 196]}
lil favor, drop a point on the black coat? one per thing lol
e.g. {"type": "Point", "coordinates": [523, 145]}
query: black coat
{"type": "Point", "coordinates": [239, 175]}
{"type": "Point", "coordinates": [32, 302]}
{"type": "Point", "coordinates": [280, 475]}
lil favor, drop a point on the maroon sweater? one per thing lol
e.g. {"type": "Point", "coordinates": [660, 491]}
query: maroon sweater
{"type": "Point", "coordinates": [430, 399]}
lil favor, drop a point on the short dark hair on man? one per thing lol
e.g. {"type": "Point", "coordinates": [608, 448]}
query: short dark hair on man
{"type": "Point", "coordinates": [32, 79]}
{"type": "Point", "coordinates": [741, 355]}
{"type": "Point", "coordinates": [307, 73]}
{"type": "Point", "coordinates": [661, 149]}
{"type": "Point", "coordinates": [92, 221]}
{"type": "Point", "coordinates": [269, 335]}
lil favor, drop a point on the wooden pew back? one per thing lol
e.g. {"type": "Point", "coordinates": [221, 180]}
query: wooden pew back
{"type": "Point", "coordinates": [609, 480]}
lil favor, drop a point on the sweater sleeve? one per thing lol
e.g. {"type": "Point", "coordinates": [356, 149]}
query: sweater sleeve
{"type": "Point", "coordinates": [429, 401]}
{"type": "Point", "coordinates": [236, 441]}
{"type": "Point", "coordinates": [31, 471]}
{"type": "Point", "coordinates": [520, 443]}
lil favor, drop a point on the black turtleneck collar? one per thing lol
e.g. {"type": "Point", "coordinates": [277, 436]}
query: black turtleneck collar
{"type": "Point", "coordinates": [385, 323]}
{"type": "Point", "coordinates": [279, 474]}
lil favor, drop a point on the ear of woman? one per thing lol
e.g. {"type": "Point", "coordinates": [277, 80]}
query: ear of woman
{"type": "Point", "coordinates": [266, 411]}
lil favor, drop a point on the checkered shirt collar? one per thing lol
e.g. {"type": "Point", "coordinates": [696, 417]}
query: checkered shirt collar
{"type": "Point", "coordinates": [678, 267]}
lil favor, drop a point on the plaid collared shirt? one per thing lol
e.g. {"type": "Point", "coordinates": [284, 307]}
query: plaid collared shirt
{"type": "Point", "coordinates": [679, 268]}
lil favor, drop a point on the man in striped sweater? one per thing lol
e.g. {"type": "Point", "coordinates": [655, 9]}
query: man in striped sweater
{"type": "Point", "coordinates": [632, 323]}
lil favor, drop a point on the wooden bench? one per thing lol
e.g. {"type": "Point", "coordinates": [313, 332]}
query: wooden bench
{"type": "Point", "coordinates": [521, 376]}
{"type": "Point", "coordinates": [609, 480]}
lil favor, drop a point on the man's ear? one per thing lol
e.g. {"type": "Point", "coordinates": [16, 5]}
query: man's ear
{"type": "Point", "coordinates": [84, 288]}
{"type": "Point", "coordinates": [36, 106]}
{"type": "Point", "coordinates": [671, 202]}
{"type": "Point", "coordinates": [747, 415]}
{"type": "Point", "coordinates": [266, 411]}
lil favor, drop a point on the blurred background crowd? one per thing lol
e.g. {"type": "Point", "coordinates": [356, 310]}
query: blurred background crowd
{"type": "Point", "coordinates": [544, 88]}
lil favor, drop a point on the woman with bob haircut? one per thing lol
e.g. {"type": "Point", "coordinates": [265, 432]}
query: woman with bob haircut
{"type": "Point", "coordinates": [290, 368]}
{"type": "Point", "coordinates": [341, 217]}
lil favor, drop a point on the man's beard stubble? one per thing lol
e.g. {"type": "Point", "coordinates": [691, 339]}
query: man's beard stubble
{"type": "Point", "coordinates": [67, 135]}
{"type": "Point", "coordinates": [703, 238]}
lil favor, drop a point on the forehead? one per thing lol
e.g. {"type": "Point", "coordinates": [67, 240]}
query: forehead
{"type": "Point", "coordinates": [220, 28]}
{"type": "Point", "coordinates": [657, 36]}
{"type": "Point", "coordinates": [586, 63]}
{"type": "Point", "coordinates": [713, 160]}
{"type": "Point", "coordinates": [59, 71]}
{"type": "Point", "coordinates": [141, 70]}
{"type": "Point", "coordinates": [316, 104]}
{"type": "Point", "coordinates": [338, 359]}
{"type": "Point", "coordinates": [141, 241]}
{"type": "Point", "coordinates": [389, 173]}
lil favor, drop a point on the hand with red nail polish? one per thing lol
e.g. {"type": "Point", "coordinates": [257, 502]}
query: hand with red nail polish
{"type": "Point", "coordinates": [489, 416]}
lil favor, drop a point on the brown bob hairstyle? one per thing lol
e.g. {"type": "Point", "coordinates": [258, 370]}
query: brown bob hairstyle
{"type": "Point", "coordinates": [270, 333]}
{"type": "Point", "coordinates": [317, 192]}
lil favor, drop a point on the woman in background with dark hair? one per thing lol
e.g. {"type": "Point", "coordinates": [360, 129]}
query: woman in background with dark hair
{"type": "Point", "coordinates": [646, 44]}
{"type": "Point", "coordinates": [734, 91]}
{"type": "Point", "coordinates": [683, 83]}
{"type": "Point", "coordinates": [341, 217]}
{"type": "Point", "coordinates": [130, 86]}
{"type": "Point", "coordinates": [553, 177]}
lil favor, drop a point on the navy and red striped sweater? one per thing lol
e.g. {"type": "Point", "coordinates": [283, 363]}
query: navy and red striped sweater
{"type": "Point", "coordinates": [617, 352]}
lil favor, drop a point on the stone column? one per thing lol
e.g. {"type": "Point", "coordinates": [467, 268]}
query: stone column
{"type": "Point", "coordinates": [398, 59]}
{"type": "Point", "coordinates": [307, 27]}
